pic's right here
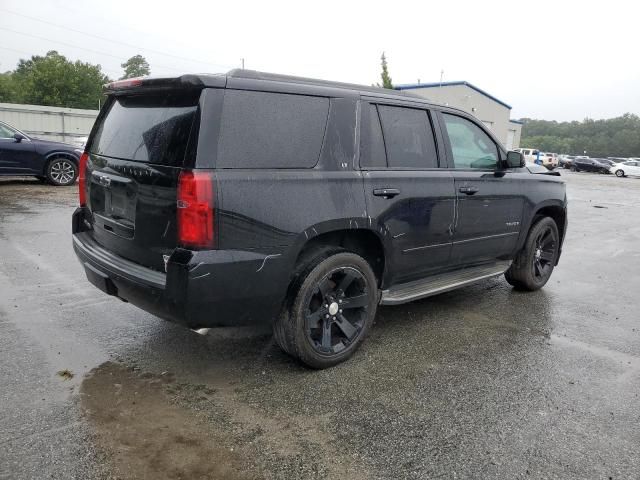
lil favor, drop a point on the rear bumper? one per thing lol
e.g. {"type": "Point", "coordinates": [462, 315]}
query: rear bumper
{"type": "Point", "coordinates": [200, 289]}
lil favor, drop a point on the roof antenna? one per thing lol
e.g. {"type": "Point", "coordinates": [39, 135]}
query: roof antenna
{"type": "Point", "coordinates": [242, 60]}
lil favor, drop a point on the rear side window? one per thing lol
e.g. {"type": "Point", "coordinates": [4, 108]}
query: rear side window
{"type": "Point", "coordinates": [271, 130]}
{"type": "Point", "coordinates": [149, 128]}
{"type": "Point", "coordinates": [372, 152]}
{"type": "Point", "coordinates": [470, 145]}
{"type": "Point", "coordinates": [408, 137]}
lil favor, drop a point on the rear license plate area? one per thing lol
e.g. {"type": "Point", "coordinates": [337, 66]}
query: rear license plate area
{"type": "Point", "coordinates": [113, 201]}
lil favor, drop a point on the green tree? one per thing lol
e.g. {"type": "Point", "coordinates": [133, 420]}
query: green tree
{"type": "Point", "coordinates": [53, 80]}
{"type": "Point", "coordinates": [7, 88]}
{"type": "Point", "coordinates": [136, 66]}
{"type": "Point", "coordinates": [613, 137]}
{"type": "Point", "coordinates": [384, 75]}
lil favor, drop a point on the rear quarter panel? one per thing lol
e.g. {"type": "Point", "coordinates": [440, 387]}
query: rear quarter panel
{"type": "Point", "coordinates": [275, 212]}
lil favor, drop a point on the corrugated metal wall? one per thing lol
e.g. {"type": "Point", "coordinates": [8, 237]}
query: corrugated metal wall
{"type": "Point", "coordinates": [69, 125]}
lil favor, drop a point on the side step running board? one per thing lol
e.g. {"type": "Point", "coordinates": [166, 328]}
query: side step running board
{"type": "Point", "coordinates": [444, 282]}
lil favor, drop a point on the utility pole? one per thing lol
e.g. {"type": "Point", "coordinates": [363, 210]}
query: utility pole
{"type": "Point", "coordinates": [242, 60]}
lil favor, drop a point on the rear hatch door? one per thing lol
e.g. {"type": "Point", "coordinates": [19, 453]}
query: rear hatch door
{"type": "Point", "coordinates": [138, 147]}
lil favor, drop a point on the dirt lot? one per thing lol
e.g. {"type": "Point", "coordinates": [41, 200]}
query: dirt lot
{"type": "Point", "coordinates": [483, 382]}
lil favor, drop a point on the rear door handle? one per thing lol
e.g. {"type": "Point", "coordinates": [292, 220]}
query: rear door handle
{"type": "Point", "coordinates": [386, 192]}
{"type": "Point", "coordinates": [468, 190]}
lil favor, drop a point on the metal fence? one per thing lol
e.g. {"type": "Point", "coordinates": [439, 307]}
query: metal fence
{"type": "Point", "coordinates": [69, 125]}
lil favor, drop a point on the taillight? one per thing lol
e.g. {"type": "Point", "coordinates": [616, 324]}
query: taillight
{"type": "Point", "coordinates": [195, 209]}
{"type": "Point", "coordinates": [82, 181]}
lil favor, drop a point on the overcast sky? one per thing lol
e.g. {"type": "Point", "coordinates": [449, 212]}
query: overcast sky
{"type": "Point", "coordinates": [552, 60]}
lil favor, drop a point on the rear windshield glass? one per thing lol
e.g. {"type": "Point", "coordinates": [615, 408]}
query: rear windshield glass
{"type": "Point", "coordinates": [153, 129]}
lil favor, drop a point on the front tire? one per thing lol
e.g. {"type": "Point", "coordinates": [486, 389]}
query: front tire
{"type": "Point", "coordinates": [619, 173]}
{"type": "Point", "coordinates": [534, 265]}
{"type": "Point", "coordinates": [329, 310]}
{"type": "Point", "coordinates": [61, 172]}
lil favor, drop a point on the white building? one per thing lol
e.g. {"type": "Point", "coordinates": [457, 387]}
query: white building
{"type": "Point", "coordinates": [494, 113]}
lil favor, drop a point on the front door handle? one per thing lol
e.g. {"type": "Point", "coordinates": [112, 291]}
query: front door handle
{"type": "Point", "coordinates": [386, 192]}
{"type": "Point", "coordinates": [468, 190]}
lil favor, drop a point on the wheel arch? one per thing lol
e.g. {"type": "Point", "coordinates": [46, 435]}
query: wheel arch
{"type": "Point", "coordinates": [59, 154]}
{"type": "Point", "coordinates": [362, 241]}
{"type": "Point", "coordinates": [555, 210]}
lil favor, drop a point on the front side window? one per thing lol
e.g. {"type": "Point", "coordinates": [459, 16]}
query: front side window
{"type": "Point", "coordinates": [6, 132]}
{"type": "Point", "coordinates": [471, 147]}
{"type": "Point", "coordinates": [408, 137]}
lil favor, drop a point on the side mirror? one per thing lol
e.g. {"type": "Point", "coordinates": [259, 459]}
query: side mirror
{"type": "Point", "coordinates": [18, 137]}
{"type": "Point", "coordinates": [515, 159]}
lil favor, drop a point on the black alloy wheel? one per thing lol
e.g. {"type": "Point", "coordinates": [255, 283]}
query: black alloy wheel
{"type": "Point", "coordinates": [335, 314]}
{"type": "Point", "coordinates": [545, 254]}
{"type": "Point", "coordinates": [533, 266]}
{"type": "Point", "coordinates": [330, 307]}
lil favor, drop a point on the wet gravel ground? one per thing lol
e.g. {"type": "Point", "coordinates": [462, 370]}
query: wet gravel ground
{"type": "Point", "coordinates": [483, 382]}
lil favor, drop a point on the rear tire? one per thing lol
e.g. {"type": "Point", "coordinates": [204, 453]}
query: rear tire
{"type": "Point", "coordinates": [534, 265]}
{"type": "Point", "coordinates": [330, 308]}
{"type": "Point", "coordinates": [574, 169]}
{"type": "Point", "coordinates": [61, 172]}
{"type": "Point", "coordinates": [619, 173]}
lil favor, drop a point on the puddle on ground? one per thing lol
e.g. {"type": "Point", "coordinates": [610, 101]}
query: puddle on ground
{"type": "Point", "coordinates": [148, 437]}
{"type": "Point", "coordinates": [153, 427]}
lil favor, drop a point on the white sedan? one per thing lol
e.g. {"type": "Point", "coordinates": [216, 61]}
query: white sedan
{"type": "Point", "coordinates": [630, 168]}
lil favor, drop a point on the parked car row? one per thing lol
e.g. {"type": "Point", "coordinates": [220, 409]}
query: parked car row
{"type": "Point", "coordinates": [621, 167]}
{"type": "Point", "coordinates": [532, 155]}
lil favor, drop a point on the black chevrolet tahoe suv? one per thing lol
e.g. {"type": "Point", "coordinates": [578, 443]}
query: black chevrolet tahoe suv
{"type": "Point", "coordinates": [214, 200]}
